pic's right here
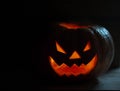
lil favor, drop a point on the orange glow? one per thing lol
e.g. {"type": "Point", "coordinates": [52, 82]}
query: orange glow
{"type": "Point", "coordinates": [87, 47]}
{"type": "Point", "coordinates": [71, 26]}
{"type": "Point", "coordinates": [59, 48]}
{"type": "Point", "coordinates": [75, 70]}
{"type": "Point", "coordinates": [75, 55]}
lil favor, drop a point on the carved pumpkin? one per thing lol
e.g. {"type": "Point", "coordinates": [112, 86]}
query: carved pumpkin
{"type": "Point", "coordinates": [80, 50]}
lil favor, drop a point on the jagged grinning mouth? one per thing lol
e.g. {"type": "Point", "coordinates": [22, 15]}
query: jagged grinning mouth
{"type": "Point", "coordinates": [74, 70]}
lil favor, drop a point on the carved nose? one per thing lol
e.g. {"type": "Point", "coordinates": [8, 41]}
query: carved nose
{"type": "Point", "coordinates": [75, 55]}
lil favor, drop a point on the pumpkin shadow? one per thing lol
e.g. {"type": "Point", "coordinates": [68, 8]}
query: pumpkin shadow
{"type": "Point", "coordinates": [83, 85]}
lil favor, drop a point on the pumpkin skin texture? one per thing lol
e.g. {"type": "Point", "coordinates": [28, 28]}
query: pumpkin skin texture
{"type": "Point", "coordinates": [80, 52]}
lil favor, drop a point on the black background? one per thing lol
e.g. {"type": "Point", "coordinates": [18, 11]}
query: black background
{"type": "Point", "coordinates": [40, 14]}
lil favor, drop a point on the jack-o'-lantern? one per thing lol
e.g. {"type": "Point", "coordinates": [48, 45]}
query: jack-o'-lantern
{"type": "Point", "coordinates": [78, 50]}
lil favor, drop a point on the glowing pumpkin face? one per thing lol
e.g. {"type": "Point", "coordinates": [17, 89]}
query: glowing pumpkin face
{"type": "Point", "coordinates": [74, 51]}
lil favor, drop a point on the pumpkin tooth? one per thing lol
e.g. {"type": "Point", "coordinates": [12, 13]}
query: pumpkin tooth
{"type": "Point", "coordinates": [74, 70]}
{"type": "Point", "coordinates": [64, 69]}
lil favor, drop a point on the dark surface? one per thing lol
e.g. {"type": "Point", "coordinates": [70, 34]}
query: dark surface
{"type": "Point", "coordinates": [109, 81]}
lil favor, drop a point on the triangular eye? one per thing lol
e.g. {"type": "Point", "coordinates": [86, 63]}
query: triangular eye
{"type": "Point", "coordinates": [87, 47]}
{"type": "Point", "coordinates": [59, 48]}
